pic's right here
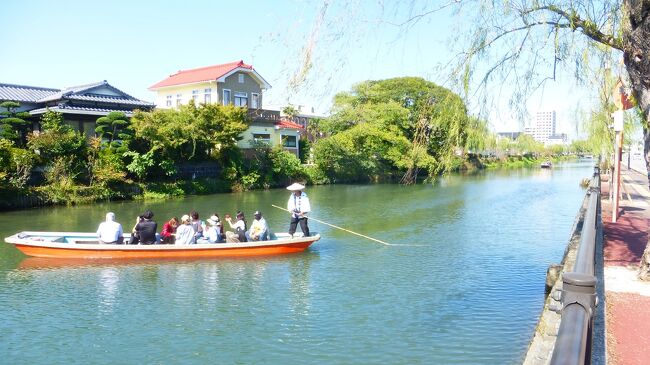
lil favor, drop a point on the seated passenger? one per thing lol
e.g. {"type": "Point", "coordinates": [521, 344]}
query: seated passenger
{"type": "Point", "coordinates": [259, 230]}
{"type": "Point", "coordinates": [146, 228]}
{"type": "Point", "coordinates": [212, 232]}
{"type": "Point", "coordinates": [168, 233]}
{"type": "Point", "coordinates": [110, 232]}
{"type": "Point", "coordinates": [197, 224]}
{"type": "Point", "coordinates": [185, 232]}
{"type": "Point", "coordinates": [240, 229]}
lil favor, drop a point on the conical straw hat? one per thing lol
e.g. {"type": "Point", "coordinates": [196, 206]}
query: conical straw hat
{"type": "Point", "coordinates": [295, 187]}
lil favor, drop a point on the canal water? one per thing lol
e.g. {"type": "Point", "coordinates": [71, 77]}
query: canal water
{"type": "Point", "coordinates": [465, 287]}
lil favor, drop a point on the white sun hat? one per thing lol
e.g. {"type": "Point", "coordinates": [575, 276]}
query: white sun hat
{"type": "Point", "coordinates": [295, 187]}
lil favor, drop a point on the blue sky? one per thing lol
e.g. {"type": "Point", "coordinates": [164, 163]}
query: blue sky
{"type": "Point", "coordinates": [134, 44]}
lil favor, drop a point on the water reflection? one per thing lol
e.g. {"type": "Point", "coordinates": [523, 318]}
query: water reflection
{"type": "Point", "coordinates": [108, 280]}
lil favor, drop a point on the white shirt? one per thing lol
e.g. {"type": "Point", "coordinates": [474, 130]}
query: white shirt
{"type": "Point", "coordinates": [258, 227]}
{"type": "Point", "coordinates": [300, 203]}
{"type": "Point", "coordinates": [212, 234]}
{"type": "Point", "coordinates": [109, 231]}
{"type": "Point", "coordinates": [184, 235]}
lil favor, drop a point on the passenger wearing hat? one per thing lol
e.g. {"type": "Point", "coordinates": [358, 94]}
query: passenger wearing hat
{"type": "Point", "coordinates": [185, 232]}
{"type": "Point", "coordinates": [299, 207]}
{"type": "Point", "coordinates": [259, 230]}
{"type": "Point", "coordinates": [212, 233]}
{"type": "Point", "coordinates": [145, 229]}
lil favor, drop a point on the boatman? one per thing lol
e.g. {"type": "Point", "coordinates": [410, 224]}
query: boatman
{"type": "Point", "coordinates": [299, 207]}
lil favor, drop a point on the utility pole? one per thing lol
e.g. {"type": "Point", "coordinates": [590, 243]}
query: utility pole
{"type": "Point", "coordinates": [618, 154]}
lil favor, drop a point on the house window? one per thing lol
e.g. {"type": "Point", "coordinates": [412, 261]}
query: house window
{"type": "Point", "coordinates": [226, 96]}
{"type": "Point", "coordinates": [178, 99]}
{"type": "Point", "coordinates": [241, 78]}
{"type": "Point", "coordinates": [255, 101]}
{"type": "Point", "coordinates": [241, 99]}
{"type": "Point", "coordinates": [195, 95]}
{"type": "Point", "coordinates": [262, 137]}
{"type": "Point", "coordinates": [290, 141]}
{"type": "Point", "coordinates": [169, 101]}
{"type": "Point", "coordinates": [207, 97]}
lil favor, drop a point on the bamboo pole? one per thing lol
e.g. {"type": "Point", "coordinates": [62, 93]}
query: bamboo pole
{"type": "Point", "coordinates": [341, 228]}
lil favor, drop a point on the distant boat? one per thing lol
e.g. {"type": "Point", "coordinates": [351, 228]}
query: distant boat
{"type": "Point", "coordinates": [546, 165]}
{"type": "Point", "coordinates": [86, 246]}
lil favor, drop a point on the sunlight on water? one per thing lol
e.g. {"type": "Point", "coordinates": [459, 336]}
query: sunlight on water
{"type": "Point", "coordinates": [469, 293]}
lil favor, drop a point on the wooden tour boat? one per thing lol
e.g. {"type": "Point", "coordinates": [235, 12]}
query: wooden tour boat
{"type": "Point", "coordinates": [87, 246]}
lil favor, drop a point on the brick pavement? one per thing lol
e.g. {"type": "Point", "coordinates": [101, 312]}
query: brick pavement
{"type": "Point", "coordinates": [627, 299]}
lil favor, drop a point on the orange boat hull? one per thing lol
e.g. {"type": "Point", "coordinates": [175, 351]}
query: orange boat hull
{"type": "Point", "coordinates": [161, 253]}
{"type": "Point", "coordinates": [85, 246]}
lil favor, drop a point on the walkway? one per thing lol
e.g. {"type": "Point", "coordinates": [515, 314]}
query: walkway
{"type": "Point", "coordinates": [627, 310]}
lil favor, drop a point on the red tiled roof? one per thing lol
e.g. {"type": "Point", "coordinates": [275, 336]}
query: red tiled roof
{"type": "Point", "coordinates": [200, 74]}
{"type": "Point", "coordinates": [283, 123]}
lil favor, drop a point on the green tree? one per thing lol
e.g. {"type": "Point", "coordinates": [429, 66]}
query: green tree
{"type": "Point", "coordinates": [190, 133]}
{"type": "Point", "coordinates": [365, 153]}
{"type": "Point", "coordinates": [13, 126]}
{"type": "Point", "coordinates": [115, 131]}
{"type": "Point", "coordinates": [57, 139]}
{"type": "Point", "coordinates": [432, 117]}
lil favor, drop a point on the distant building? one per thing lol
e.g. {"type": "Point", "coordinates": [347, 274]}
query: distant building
{"type": "Point", "coordinates": [557, 139]}
{"type": "Point", "coordinates": [234, 83]}
{"type": "Point", "coordinates": [81, 105]}
{"type": "Point", "coordinates": [544, 125]}
{"type": "Point", "coordinates": [509, 135]}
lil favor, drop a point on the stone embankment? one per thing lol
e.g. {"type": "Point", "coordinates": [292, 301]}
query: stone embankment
{"type": "Point", "coordinates": [541, 346]}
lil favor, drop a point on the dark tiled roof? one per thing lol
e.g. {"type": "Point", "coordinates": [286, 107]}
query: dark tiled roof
{"type": "Point", "coordinates": [109, 99]}
{"type": "Point", "coordinates": [24, 93]}
{"type": "Point", "coordinates": [78, 110]}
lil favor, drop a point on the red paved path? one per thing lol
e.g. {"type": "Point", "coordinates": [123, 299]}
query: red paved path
{"type": "Point", "coordinates": [627, 314]}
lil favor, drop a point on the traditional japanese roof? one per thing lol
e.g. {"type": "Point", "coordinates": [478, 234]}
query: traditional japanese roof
{"type": "Point", "coordinates": [24, 93]}
{"type": "Point", "coordinates": [211, 73]}
{"type": "Point", "coordinates": [85, 93]}
{"type": "Point", "coordinates": [283, 123]}
{"type": "Point", "coordinates": [67, 109]}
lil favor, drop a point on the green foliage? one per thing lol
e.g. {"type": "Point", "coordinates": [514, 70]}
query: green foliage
{"type": "Point", "coordinates": [12, 124]}
{"type": "Point", "coordinates": [286, 167]}
{"type": "Point", "coordinates": [433, 118]}
{"type": "Point", "coordinates": [115, 131]}
{"type": "Point", "coordinates": [57, 139]}
{"type": "Point", "coordinates": [16, 165]}
{"type": "Point", "coordinates": [290, 111]}
{"type": "Point", "coordinates": [106, 167]}
{"type": "Point", "coordinates": [190, 133]}
{"type": "Point", "coordinates": [141, 163]}
{"type": "Point", "coordinates": [525, 144]}
{"type": "Point", "coordinates": [363, 153]}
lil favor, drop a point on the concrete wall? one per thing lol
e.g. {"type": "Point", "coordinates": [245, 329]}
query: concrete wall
{"type": "Point", "coordinates": [186, 94]}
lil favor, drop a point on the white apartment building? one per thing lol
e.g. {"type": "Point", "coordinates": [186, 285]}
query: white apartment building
{"type": "Point", "coordinates": [543, 126]}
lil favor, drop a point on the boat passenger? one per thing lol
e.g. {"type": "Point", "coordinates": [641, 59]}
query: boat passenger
{"type": "Point", "coordinates": [211, 233]}
{"type": "Point", "coordinates": [259, 230]}
{"type": "Point", "coordinates": [185, 232]}
{"type": "Point", "coordinates": [168, 233]}
{"type": "Point", "coordinates": [146, 229]}
{"type": "Point", "coordinates": [220, 225]}
{"type": "Point", "coordinates": [197, 224]}
{"type": "Point", "coordinates": [240, 229]}
{"type": "Point", "coordinates": [109, 231]}
{"type": "Point", "coordinates": [299, 207]}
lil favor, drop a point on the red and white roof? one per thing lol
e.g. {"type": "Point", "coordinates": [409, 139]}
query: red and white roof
{"type": "Point", "coordinates": [284, 123]}
{"type": "Point", "coordinates": [211, 73]}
